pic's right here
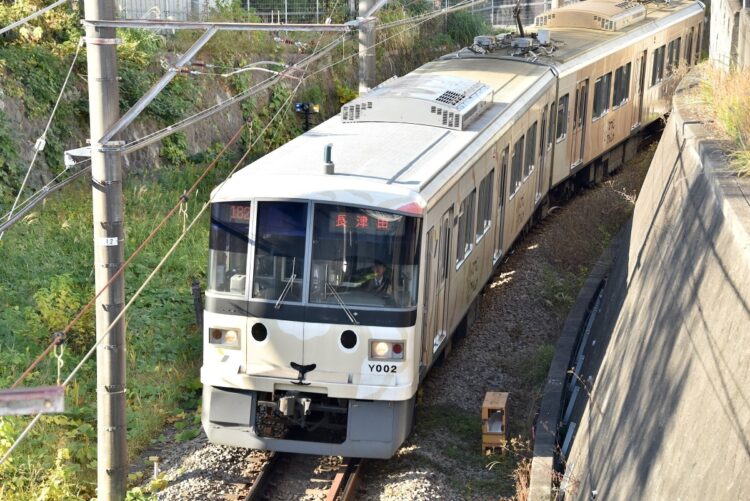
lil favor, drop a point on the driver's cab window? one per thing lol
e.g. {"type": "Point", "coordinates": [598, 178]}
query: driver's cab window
{"type": "Point", "coordinates": [278, 269]}
{"type": "Point", "coordinates": [364, 257]}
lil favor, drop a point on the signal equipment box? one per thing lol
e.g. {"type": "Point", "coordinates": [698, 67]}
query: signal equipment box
{"type": "Point", "coordinates": [495, 422]}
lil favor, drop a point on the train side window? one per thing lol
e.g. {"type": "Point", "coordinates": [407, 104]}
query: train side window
{"type": "Point", "coordinates": [516, 166]}
{"type": "Point", "coordinates": [657, 68]}
{"type": "Point", "coordinates": [562, 117]}
{"type": "Point", "coordinates": [484, 207]}
{"type": "Point", "coordinates": [464, 240]}
{"type": "Point", "coordinates": [530, 151]}
{"type": "Point", "coordinates": [621, 92]}
{"type": "Point", "coordinates": [551, 126]}
{"type": "Point", "coordinates": [689, 47]}
{"type": "Point", "coordinates": [602, 88]}
{"type": "Point", "coordinates": [673, 55]}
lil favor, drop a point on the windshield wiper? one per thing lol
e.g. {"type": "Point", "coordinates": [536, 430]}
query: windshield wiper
{"type": "Point", "coordinates": [287, 287]}
{"type": "Point", "coordinates": [341, 303]}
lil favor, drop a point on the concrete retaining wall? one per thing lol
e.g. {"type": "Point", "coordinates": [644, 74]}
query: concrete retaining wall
{"type": "Point", "coordinates": [729, 37]}
{"type": "Point", "coordinates": [669, 416]}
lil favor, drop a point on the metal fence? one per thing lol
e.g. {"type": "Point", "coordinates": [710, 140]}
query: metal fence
{"type": "Point", "coordinates": [497, 12]}
{"type": "Point", "coordinates": [280, 11]}
{"type": "Point", "coordinates": [178, 10]}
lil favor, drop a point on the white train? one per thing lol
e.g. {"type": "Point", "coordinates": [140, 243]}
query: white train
{"type": "Point", "coordinates": [334, 286]}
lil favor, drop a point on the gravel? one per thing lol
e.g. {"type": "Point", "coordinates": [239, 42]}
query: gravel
{"type": "Point", "coordinates": [521, 312]}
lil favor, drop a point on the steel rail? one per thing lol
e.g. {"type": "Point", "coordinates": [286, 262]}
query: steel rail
{"type": "Point", "coordinates": [257, 490]}
{"type": "Point", "coordinates": [346, 481]}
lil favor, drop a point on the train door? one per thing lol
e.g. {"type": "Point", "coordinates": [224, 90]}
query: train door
{"type": "Point", "coordinates": [440, 298]}
{"type": "Point", "coordinates": [429, 306]}
{"type": "Point", "coordinates": [501, 194]}
{"type": "Point", "coordinates": [542, 156]}
{"type": "Point", "coordinates": [698, 46]}
{"type": "Point", "coordinates": [579, 123]}
{"type": "Point", "coordinates": [640, 81]}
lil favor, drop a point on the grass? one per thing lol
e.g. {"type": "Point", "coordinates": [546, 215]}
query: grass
{"type": "Point", "coordinates": [46, 273]}
{"type": "Point", "coordinates": [727, 100]}
{"type": "Point", "coordinates": [46, 276]}
{"type": "Point", "coordinates": [457, 437]}
{"type": "Point", "coordinates": [560, 289]}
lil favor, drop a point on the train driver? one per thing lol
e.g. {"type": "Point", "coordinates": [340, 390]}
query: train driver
{"type": "Point", "coordinates": [377, 281]}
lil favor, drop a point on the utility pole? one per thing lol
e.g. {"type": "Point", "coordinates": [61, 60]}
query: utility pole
{"type": "Point", "coordinates": [106, 177]}
{"type": "Point", "coordinates": [366, 49]}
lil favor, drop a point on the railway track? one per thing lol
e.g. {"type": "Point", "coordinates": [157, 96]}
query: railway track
{"type": "Point", "coordinates": [347, 480]}
{"type": "Point", "coordinates": [271, 478]}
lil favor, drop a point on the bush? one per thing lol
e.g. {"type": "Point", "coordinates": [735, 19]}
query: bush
{"type": "Point", "coordinates": [729, 102]}
{"type": "Point", "coordinates": [9, 170]}
{"type": "Point", "coordinates": [463, 26]}
{"type": "Point", "coordinates": [174, 149]}
{"type": "Point", "coordinates": [59, 303]}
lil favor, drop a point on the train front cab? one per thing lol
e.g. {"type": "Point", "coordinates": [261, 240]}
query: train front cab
{"type": "Point", "coordinates": [309, 337]}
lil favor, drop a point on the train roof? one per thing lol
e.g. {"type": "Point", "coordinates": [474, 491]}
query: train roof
{"type": "Point", "coordinates": [394, 159]}
{"type": "Point", "coordinates": [391, 161]}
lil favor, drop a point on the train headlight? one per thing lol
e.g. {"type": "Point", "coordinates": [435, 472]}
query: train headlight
{"type": "Point", "coordinates": [227, 338]}
{"type": "Point", "coordinates": [386, 350]}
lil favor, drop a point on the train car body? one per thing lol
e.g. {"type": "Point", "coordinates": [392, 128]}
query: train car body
{"type": "Point", "coordinates": [333, 288]}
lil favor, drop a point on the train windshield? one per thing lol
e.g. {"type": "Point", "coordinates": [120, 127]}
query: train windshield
{"type": "Point", "coordinates": [230, 224]}
{"type": "Point", "coordinates": [280, 251]}
{"type": "Point", "coordinates": [364, 257]}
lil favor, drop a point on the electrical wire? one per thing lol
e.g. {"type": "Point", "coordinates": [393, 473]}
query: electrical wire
{"type": "Point", "coordinates": [300, 65]}
{"type": "Point", "coordinates": [148, 279]}
{"type": "Point", "coordinates": [264, 84]}
{"type": "Point", "coordinates": [169, 252]}
{"type": "Point", "coordinates": [32, 16]}
{"type": "Point", "coordinates": [40, 143]}
{"type": "Point", "coordinates": [459, 6]}
{"type": "Point", "coordinates": [40, 195]}
{"type": "Point", "coordinates": [137, 251]}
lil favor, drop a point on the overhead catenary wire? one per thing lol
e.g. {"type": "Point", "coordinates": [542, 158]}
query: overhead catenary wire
{"type": "Point", "coordinates": [36, 418]}
{"type": "Point", "coordinates": [136, 252]}
{"type": "Point", "coordinates": [256, 88]}
{"type": "Point", "coordinates": [171, 250]}
{"type": "Point", "coordinates": [40, 195]}
{"type": "Point", "coordinates": [161, 263]}
{"type": "Point", "coordinates": [422, 19]}
{"type": "Point", "coordinates": [169, 130]}
{"type": "Point", "coordinates": [40, 143]}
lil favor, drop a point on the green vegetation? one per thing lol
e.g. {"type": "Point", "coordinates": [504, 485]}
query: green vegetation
{"type": "Point", "coordinates": [46, 274]}
{"type": "Point", "coordinates": [728, 101]}
{"type": "Point", "coordinates": [457, 437]}
{"type": "Point", "coordinates": [163, 341]}
{"type": "Point", "coordinates": [560, 289]}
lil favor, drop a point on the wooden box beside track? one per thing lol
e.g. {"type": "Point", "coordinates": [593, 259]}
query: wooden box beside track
{"type": "Point", "coordinates": [495, 422]}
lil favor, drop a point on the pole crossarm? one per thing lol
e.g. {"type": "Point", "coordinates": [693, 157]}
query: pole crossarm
{"type": "Point", "coordinates": [154, 91]}
{"type": "Point", "coordinates": [159, 24]}
{"type": "Point", "coordinates": [156, 136]}
{"type": "Point", "coordinates": [372, 10]}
